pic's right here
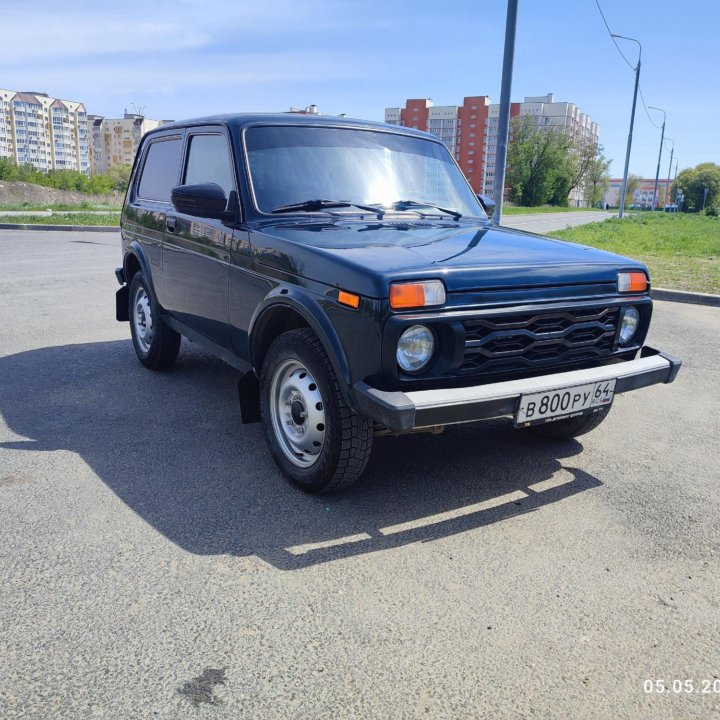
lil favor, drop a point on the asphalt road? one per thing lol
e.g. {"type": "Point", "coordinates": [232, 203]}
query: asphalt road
{"type": "Point", "coordinates": [549, 222]}
{"type": "Point", "coordinates": [154, 564]}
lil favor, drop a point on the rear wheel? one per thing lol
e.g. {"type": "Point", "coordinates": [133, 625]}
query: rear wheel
{"type": "Point", "coordinates": [156, 344]}
{"type": "Point", "coordinates": [317, 440]}
{"type": "Point", "coordinates": [571, 427]}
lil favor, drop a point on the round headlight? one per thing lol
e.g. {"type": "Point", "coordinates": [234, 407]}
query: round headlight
{"type": "Point", "coordinates": [629, 325]}
{"type": "Point", "coordinates": [415, 348]}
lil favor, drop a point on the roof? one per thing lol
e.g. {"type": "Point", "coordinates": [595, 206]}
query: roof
{"type": "Point", "coordinates": [236, 121]}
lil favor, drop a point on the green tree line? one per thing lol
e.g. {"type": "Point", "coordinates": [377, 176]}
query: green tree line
{"type": "Point", "coordinates": [115, 180]}
{"type": "Point", "coordinates": [693, 182]}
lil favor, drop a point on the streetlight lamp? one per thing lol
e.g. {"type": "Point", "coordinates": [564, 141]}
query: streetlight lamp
{"type": "Point", "coordinates": [632, 122]}
{"type": "Point", "coordinates": [672, 151]}
{"type": "Point", "coordinates": [662, 137]}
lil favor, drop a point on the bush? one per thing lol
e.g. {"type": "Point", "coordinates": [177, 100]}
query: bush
{"type": "Point", "coordinates": [711, 212]}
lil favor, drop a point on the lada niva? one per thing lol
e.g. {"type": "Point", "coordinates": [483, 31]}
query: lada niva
{"type": "Point", "coordinates": [350, 273]}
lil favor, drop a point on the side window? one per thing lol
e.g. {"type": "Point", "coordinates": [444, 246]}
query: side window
{"type": "Point", "coordinates": [161, 169]}
{"type": "Point", "coordinates": [209, 161]}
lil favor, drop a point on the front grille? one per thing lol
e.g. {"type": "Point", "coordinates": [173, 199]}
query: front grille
{"type": "Point", "coordinates": [514, 343]}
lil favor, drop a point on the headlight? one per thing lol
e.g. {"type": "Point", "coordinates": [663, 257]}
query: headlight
{"type": "Point", "coordinates": [415, 348]}
{"type": "Point", "coordinates": [629, 325]}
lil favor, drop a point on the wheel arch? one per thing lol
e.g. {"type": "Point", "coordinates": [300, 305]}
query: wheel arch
{"type": "Point", "coordinates": [287, 312]}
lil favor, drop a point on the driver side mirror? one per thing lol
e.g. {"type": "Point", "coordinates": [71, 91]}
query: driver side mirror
{"type": "Point", "coordinates": [207, 200]}
{"type": "Point", "coordinates": [488, 204]}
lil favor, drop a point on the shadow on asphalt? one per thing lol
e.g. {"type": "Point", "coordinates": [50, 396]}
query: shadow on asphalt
{"type": "Point", "coordinates": [171, 446]}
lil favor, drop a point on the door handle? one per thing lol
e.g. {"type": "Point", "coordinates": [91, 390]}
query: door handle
{"type": "Point", "coordinates": [170, 224]}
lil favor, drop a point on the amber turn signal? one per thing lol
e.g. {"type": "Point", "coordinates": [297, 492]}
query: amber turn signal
{"type": "Point", "coordinates": [349, 299]}
{"type": "Point", "coordinates": [633, 282]}
{"type": "Point", "coordinates": [417, 294]}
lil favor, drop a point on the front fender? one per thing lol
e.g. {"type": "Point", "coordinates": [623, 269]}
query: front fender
{"type": "Point", "coordinates": [311, 309]}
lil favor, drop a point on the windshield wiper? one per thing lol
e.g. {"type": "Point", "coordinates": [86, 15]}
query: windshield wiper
{"type": "Point", "coordinates": [317, 205]}
{"type": "Point", "coordinates": [412, 204]}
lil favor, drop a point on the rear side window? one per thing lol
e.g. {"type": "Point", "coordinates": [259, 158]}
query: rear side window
{"type": "Point", "coordinates": [161, 169]}
{"type": "Point", "coordinates": [209, 161]}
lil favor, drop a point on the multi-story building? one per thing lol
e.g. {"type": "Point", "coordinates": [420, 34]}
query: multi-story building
{"type": "Point", "coordinates": [642, 195]}
{"type": "Point", "coordinates": [45, 132]}
{"type": "Point", "coordinates": [114, 141]}
{"type": "Point", "coordinates": [470, 130]}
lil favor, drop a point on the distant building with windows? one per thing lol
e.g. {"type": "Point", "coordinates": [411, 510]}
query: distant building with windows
{"type": "Point", "coordinates": [47, 133]}
{"type": "Point", "coordinates": [642, 196]}
{"type": "Point", "coordinates": [470, 130]}
{"type": "Point", "coordinates": [114, 141]}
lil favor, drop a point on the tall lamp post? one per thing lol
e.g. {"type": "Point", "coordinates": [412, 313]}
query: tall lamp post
{"type": "Point", "coordinates": [662, 138]}
{"type": "Point", "coordinates": [672, 151]}
{"type": "Point", "coordinates": [504, 113]}
{"type": "Point", "coordinates": [632, 123]}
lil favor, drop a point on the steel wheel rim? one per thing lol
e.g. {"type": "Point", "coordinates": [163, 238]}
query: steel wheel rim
{"type": "Point", "coordinates": [298, 413]}
{"type": "Point", "coordinates": [142, 319]}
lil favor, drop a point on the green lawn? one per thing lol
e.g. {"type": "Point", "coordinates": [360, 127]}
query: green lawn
{"type": "Point", "coordinates": [107, 218]}
{"type": "Point", "coordinates": [60, 206]}
{"type": "Point", "coordinates": [520, 210]}
{"type": "Point", "coordinates": [682, 251]}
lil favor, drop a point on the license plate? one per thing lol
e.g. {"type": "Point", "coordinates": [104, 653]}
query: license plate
{"type": "Point", "coordinates": [562, 403]}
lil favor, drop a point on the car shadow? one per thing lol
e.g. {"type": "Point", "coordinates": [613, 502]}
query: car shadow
{"type": "Point", "coordinates": [172, 447]}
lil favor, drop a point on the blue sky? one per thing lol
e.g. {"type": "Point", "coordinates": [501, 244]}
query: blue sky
{"type": "Point", "coordinates": [184, 58]}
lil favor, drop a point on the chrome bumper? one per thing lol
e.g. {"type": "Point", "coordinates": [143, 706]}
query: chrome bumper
{"type": "Point", "coordinates": [403, 412]}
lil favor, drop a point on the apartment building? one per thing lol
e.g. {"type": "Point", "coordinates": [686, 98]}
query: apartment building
{"type": "Point", "coordinates": [114, 141]}
{"type": "Point", "coordinates": [470, 130]}
{"type": "Point", "coordinates": [47, 133]}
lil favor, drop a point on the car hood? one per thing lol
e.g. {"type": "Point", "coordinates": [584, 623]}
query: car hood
{"type": "Point", "coordinates": [365, 257]}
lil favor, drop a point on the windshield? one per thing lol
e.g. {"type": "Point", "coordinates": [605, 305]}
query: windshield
{"type": "Point", "coordinates": [293, 165]}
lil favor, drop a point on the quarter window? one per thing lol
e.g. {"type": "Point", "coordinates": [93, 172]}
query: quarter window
{"type": "Point", "coordinates": [161, 169]}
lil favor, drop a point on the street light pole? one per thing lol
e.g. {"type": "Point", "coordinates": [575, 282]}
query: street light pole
{"type": "Point", "coordinates": [632, 123]}
{"type": "Point", "coordinates": [672, 151]}
{"type": "Point", "coordinates": [504, 116]}
{"type": "Point", "coordinates": [705, 194]}
{"type": "Point", "coordinates": [662, 138]}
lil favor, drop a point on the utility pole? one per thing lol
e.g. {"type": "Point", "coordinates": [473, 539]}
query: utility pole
{"type": "Point", "coordinates": [672, 151]}
{"type": "Point", "coordinates": [705, 194]}
{"type": "Point", "coordinates": [504, 117]}
{"type": "Point", "coordinates": [662, 138]}
{"type": "Point", "coordinates": [632, 123]}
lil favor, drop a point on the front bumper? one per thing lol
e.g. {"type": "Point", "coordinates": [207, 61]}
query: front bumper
{"type": "Point", "coordinates": [404, 412]}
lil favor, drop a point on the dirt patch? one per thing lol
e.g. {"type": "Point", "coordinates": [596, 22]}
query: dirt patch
{"type": "Point", "coordinates": [20, 192]}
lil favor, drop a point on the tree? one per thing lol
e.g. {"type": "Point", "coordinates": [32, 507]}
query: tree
{"type": "Point", "coordinates": [597, 179]}
{"type": "Point", "coordinates": [120, 177]}
{"type": "Point", "coordinates": [693, 181]}
{"type": "Point", "coordinates": [538, 163]}
{"type": "Point", "coordinates": [633, 184]}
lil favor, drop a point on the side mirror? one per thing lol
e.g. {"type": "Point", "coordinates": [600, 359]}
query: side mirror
{"type": "Point", "coordinates": [488, 204]}
{"type": "Point", "coordinates": [206, 200]}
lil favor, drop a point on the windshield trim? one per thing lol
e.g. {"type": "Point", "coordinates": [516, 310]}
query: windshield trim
{"type": "Point", "coordinates": [344, 126]}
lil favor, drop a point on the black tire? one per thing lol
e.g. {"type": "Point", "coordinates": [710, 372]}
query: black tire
{"type": "Point", "coordinates": [346, 436]}
{"type": "Point", "coordinates": [572, 427]}
{"type": "Point", "coordinates": [158, 349]}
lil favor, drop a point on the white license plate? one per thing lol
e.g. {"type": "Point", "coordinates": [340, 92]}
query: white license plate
{"type": "Point", "coordinates": [564, 402]}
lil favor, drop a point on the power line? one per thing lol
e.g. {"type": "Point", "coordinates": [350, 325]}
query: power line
{"type": "Point", "coordinates": [647, 112]}
{"type": "Point", "coordinates": [612, 37]}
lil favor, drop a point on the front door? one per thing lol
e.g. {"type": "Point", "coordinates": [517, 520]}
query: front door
{"type": "Point", "coordinates": [196, 251]}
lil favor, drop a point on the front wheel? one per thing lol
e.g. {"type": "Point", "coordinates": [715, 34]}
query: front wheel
{"type": "Point", "coordinates": [571, 427]}
{"type": "Point", "coordinates": [317, 440]}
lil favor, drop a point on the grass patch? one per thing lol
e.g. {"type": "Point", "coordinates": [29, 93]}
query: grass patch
{"type": "Point", "coordinates": [682, 251]}
{"type": "Point", "coordinates": [107, 218]}
{"type": "Point", "coordinates": [60, 206]}
{"type": "Point", "coordinates": [521, 210]}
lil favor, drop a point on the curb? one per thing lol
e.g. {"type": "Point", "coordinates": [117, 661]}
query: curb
{"type": "Point", "coordinates": [66, 228]}
{"type": "Point", "coordinates": [682, 296]}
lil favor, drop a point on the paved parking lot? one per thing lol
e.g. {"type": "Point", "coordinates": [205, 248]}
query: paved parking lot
{"type": "Point", "coordinates": [153, 563]}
